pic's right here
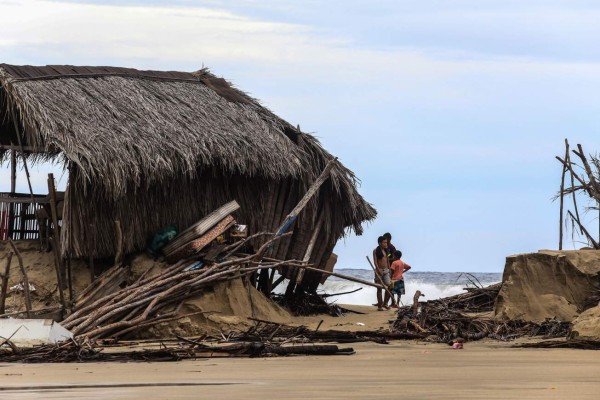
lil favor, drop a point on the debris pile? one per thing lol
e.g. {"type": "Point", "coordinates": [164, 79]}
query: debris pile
{"type": "Point", "coordinates": [155, 299]}
{"type": "Point", "coordinates": [469, 316]}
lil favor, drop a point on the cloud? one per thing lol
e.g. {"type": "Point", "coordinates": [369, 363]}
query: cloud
{"type": "Point", "coordinates": [468, 97]}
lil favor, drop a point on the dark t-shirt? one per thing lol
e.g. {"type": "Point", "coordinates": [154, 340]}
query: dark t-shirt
{"type": "Point", "coordinates": [391, 249]}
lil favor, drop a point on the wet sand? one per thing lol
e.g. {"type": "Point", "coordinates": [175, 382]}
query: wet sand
{"type": "Point", "coordinates": [398, 370]}
{"type": "Point", "coordinates": [412, 370]}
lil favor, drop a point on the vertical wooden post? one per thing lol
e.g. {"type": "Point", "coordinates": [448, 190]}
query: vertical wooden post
{"type": "Point", "coordinates": [90, 243]}
{"type": "Point", "coordinates": [67, 224]}
{"type": "Point", "coordinates": [309, 250]}
{"type": "Point", "coordinates": [56, 240]}
{"type": "Point", "coordinates": [4, 289]}
{"type": "Point", "coordinates": [562, 198]}
{"type": "Point", "coordinates": [13, 189]}
{"type": "Point", "coordinates": [25, 279]}
{"type": "Point", "coordinates": [13, 171]}
{"type": "Point", "coordinates": [22, 151]}
{"type": "Point", "coordinates": [119, 250]}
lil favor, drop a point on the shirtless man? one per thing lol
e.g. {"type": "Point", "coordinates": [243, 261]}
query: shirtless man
{"type": "Point", "coordinates": [382, 267]}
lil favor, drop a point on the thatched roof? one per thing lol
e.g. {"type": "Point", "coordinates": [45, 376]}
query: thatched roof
{"type": "Point", "coordinates": [126, 128]}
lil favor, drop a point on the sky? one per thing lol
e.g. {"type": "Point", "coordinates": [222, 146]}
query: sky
{"type": "Point", "coordinates": [449, 112]}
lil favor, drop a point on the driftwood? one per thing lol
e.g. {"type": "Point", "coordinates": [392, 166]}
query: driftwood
{"type": "Point", "coordinates": [155, 298]}
{"type": "Point", "coordinates": [563, 344]}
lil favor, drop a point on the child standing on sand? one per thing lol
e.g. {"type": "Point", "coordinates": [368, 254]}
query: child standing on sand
{"type": "Point", "coordinates": [398, 269]}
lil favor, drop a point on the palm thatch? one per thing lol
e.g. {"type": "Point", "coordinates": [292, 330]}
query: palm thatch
{"type": "Point", "coordinates": [152, 148]}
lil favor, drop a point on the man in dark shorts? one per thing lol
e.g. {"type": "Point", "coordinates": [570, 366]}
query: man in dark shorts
{"type": "Point", "coordinates": [382, 271]}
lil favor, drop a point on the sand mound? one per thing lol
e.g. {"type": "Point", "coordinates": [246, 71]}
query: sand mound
{"type": "Point", "coordinates": [548, 284]}
{"type": "Point", "coordinates": [587, 325]}
{"type": "Point", "coordinates": [223, 307]}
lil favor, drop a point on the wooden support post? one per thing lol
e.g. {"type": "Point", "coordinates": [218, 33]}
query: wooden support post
{"type": "Point", "coordinates": [13, 171]}
{"type": "Point", "coordinates": [25, 279]}
{"type": "Point", "coordinates": [289, 220]}
{"type": "Point", "coordinates": [309, 249]}
{"type": "Point", "coordinates": [22, 151]}
{"type": "Point", "coordinates": [56, 241]}
{"type": "Point", "coordinates": [13, 189]}
{"type": "Point", "coordinates": [118, 243]}
{"type": "Point", "coordinates": [4, 289]}
{"type": "Point", "coordinates": [90, 243]}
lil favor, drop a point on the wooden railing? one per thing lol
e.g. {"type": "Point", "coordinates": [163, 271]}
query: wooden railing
{"type": "Point", "coordinates": [18, 215]}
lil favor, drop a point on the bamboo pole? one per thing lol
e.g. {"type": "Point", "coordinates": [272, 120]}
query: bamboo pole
{"type": "Point", "coordinates": [4, 289]}
{"type": "Point", "coordinates": [25, 279]}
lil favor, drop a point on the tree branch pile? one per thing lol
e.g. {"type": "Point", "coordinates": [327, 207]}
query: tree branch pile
{"type": "Point", "coordinates": [155, 299]}
{"type": "Point", "coordinates": [467, 316]}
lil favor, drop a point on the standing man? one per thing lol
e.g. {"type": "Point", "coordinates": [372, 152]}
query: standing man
{"type": "Point", "coordinates": [391, 249]}
{"type": "Point", "coordinates": [382, 271]}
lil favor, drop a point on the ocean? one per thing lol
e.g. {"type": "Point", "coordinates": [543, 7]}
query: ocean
{"type": "Point", "coordinates": [433, 285]}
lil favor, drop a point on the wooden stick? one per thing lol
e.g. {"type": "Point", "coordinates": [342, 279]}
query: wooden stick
{"type": "Point", "coordinates": [562, 198]}
{"type": "Point", "coordinates": [13, 188]}
{"type": "Point", "coordinates": [118, 243]}
{"type": "Point", "coordinates": [589, 172]}
{"type": "Point", "coordinates": [289, 220]}
{"type": "Point", "coordinates": [90, 244]}
{"type": "Point", "coordinates": [25, 279]}
{"type": "Point", "coordinates": [346, 277]}
{"type": "Point", "coordinates": [69, 227]}
{"type": "Point", "coordinates": [384, 287]}
{"type": "Point", "coordinates": [18, 134]}
{"type": "Point", "coordinates": [568, 160]}
{"type": "Point", "coordinates": [5, 283]}
{"type": "Point", "coordinates": [309, 250]}
{"type": "Point", "coordinates": [13, 171]}
{"type": "Point", "coordinates": [589, 237]}
{"type": "Point", "coordinates": [56, 241]}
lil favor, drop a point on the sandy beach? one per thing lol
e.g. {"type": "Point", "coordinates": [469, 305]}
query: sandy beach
{"type": "Point", "coordinates": [401, 369]}
{"type": "Point", "coordinates": [398, 370]}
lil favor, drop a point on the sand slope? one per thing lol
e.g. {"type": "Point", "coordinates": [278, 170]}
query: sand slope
{"type": "Point", "coordinates": [548, 284]}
